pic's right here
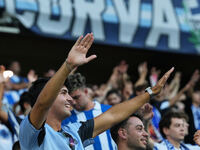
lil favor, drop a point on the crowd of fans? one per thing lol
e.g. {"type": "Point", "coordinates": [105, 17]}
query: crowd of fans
{"type": "Point", "coordinates": [168, 121]}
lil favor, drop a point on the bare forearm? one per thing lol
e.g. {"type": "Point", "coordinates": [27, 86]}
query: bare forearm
{"type": "Point", "coordinates": [141, 80]}
{"type": "Point", "coordinates": [118, 113]}
{"type": "Point", "coordinates": [51, 89]}
{"type": "Point", "coordinates": [19, 86]}
{"type": "Point", "coordinates": [176, 98]}
{"type": "Point", "coordinates": [124, 110]}
{"type": "Point", "coordinates": [47, 96]}
{"type": "Point", "coordinates": [1, 92]}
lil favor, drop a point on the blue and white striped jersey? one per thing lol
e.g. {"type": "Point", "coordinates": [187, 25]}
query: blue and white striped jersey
{"type": "Point", "coordinates": [9, 132]}
{"type": "Point", "coordinates": [12, 96]}
{"type": "Point", "coordinates": [104, 140]}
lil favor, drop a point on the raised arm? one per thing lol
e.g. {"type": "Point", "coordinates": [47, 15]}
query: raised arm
{"type": "Point", "coordinates": [142, 70]}
{"type": "Point", "coordinates": [76, 57]}
{"type": "Point", "coordinates": [123, 110]}
{"type": "Point", "coordinates": [187, 88]}
{"type": "Point", "coordinates": [3, 114]}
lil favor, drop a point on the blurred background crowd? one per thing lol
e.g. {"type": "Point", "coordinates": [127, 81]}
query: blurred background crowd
{"type": "Point", "coordinates": [177, 97]}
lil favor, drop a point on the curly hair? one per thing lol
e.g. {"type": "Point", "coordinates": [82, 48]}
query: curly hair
{"type": "Point", "coordinates": [75, 81]}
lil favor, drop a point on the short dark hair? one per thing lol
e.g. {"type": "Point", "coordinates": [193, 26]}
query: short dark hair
{"type": "Point", "coordinates": [165, 121]}
{"type": "Point", "coordinates": [25, 98]}
{"type": "Point", "coordinates": [123, 124]}
{"type": "Point", "coordinates": [113, 91]}
{"type": "Point", "coordinates": [75, 81]}
{"type": "Point", "coordinates": [37, 87]}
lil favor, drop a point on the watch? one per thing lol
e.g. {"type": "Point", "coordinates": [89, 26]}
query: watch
{"type": "Point", "coordinates": [149, 90]}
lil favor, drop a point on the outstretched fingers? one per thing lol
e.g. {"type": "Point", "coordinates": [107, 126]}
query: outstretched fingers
{"type": "Point", "coordinates": [89, 43]}
{"type": "Point", "coordinates": [86, 39]}
{"type": "Point", "coordinates": [163, 80]}
{"type": "Point", "coordinates": [78, 41]}
{"type": "Point", "coordinates": [197, 137]}
{"type": "Point", "coordinates": [88, 59]}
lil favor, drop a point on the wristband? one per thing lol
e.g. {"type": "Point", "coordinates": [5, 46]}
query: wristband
{"type": "Point", "coordinates": [149, 90]}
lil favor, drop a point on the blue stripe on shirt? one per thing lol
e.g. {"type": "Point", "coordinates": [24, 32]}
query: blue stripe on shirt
{"type": "Point", "coordinates": [10, 99]}
{"type": "Point", "coordinates": [97, 144]}
{"type": "Point", "coordinates": [109, 139]}
{"type": "Point", "coordinates": [89, 115]}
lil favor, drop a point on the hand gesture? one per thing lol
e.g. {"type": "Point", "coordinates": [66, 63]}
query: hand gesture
{"type": "Point", "coordinates": [160, 84]}
{"type": "Point", "coordinates": [77, 54]}
{"type": "Point", "coordinates": [146, 112]}
{"type": "Point", "coordinates": [195, 77]}
{"type": "Point", "coordinates": [123, 67]}
{"type": "Point", "coordinates": [142, 68]}
{"type": "Point", "coordinates": [197, 137]}
{"type": "Point", "coordinates": [177, 76]}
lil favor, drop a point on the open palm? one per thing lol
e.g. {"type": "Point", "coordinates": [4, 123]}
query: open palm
{"type": "Point", "coordinates": [77, 55]}
{"type": "Point", "coordinates": [160, 84]}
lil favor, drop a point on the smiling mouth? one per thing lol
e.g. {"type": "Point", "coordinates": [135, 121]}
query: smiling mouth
{"type": "Point", "coordinates": [144, 141]}
{"type": "Point", "coordinates": [68, 105]}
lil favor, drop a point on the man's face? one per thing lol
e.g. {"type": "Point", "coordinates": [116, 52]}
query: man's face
{"type": "Point", "coordinates": [113, 99]}
{"type": "Point", "coordinates": [15, 67]}
{"type": "Point", "coordinates": [196, 97]}
{"type": "Point", "coordinates": [62, 105]}
{"type": "Point", "coordinates": [137, 137]}
{"type": "Point", "coordinates": [176, 131]}
{"type": "Point", "coordinates": [80, 99]}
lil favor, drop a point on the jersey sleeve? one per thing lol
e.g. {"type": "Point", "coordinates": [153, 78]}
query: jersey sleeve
{"type": "Point", "coordinates": [28, 135]}
{"type": "Point", "coordinates": [86, 130]}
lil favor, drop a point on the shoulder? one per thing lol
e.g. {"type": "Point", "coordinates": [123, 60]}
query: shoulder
{"type": "Point", "coordinates": [159, 146]}
{"type": "Point", "coordinates": [28, 134]}
{"type": "Point", "coordinates": [193, 147]}
{"type": "Point", "coordinates": [104, 107]}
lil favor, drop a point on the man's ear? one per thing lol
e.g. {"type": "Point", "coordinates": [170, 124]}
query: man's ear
{"type": "Point", "coordinates": [122, 133]}
{"type": "Point", "coordinates": [26, 105]}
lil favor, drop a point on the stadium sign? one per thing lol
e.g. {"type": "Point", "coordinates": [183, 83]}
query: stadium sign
{"type": "Point", "coordinates": [164, 25]}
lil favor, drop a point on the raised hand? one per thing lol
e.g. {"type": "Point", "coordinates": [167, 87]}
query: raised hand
{"type": "Point", "coordinates": [77, 54]}
{"type": "Point", "coordinates": [146, 112]}
{"type": "Point", "coordinates": [142, 68]}
{"type": "Point", "coordinates": [197, 137]}
{"type": "Point", "coordinates": [123, 67]}
{"type": "Point", "coordinates": [160, 84]}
